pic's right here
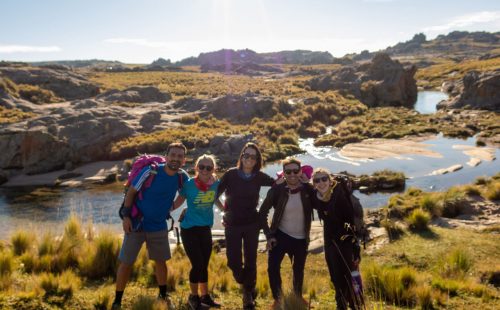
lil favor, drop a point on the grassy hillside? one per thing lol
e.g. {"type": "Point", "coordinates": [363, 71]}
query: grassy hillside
{"type": "Point", "coordinates": [434, 76]}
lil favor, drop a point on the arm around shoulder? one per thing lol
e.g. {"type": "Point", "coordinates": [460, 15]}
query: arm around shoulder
{"type": "Point", "coordinates": [264, 211]}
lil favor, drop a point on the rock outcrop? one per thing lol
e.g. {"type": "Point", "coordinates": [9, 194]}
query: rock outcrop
{"type": "Point", "coordinates": [78, 132]}
{"type": "Point", "coordinates": [383, 82]}
{"type": "Point", "coordinates": [475, 91]}
{"type": "Point", "coordinates": [63, 82]}
{"type": "Point", "coordinates": [137, 94]}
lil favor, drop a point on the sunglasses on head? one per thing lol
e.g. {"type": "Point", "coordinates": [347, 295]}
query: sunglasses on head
{"type": "Point", "coordinates": [207, 168]}
{"type": "Point", "coordinates": [321, 179]}
{"type": "Point", "coordinates": [249, 156]}
{"type": "Point", "coordinates": [289, 171]}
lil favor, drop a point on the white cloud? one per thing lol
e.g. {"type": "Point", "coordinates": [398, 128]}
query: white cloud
{"type": "Point", "coordinates": [10, 49]}
{"type": "Point", "coordinates": [462, 21]}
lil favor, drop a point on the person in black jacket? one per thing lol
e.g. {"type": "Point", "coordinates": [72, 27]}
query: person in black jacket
{"type": "Point", "coordinates": [290, 227]}
{"type": "Point", "coordinates": [241, 186]}
{"type": "Point", "coordinates": [335, 209]}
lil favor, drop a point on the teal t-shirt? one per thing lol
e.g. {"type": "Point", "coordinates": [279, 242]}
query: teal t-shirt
{"type": "Point", "coordinates": [200, 211]}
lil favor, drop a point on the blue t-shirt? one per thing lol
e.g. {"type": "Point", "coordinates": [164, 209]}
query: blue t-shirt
{"type": "Point", "coordinates": [157, 199]}
{"type": "Point", "coordinates": [200, 204]}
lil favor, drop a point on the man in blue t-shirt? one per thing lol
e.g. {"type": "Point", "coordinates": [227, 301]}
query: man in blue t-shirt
{"type": "Point", "coordinates": [155, 207]}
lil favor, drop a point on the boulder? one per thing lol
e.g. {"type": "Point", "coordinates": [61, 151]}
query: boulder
{"type": "Point", "coordinates": [476, 91]}
{"type": "Point", "coordinates": [64, 83]}
{"type": "Point", "coordinates": [137, 94]}
{"type": "Point", "coordinates": [242, 108]}
{"type": "Point", "coordinates": [382, 82]}
{"type": "Point", "coordinates": [149, 120]}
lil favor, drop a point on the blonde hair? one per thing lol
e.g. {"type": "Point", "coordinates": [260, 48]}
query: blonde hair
{"type": "Point", "coordinates": [323, 171]}
{"type": "Point", "coordinates": [203, 157]}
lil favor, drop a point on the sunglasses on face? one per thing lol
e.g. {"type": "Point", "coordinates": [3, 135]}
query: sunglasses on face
{"type": "Point", "coordinates": [207, 168]}
{"type": "Point", "coordinates": [249, 156]}
{"type": "Point", "coordinates": [289, 171]}
{"type": "Point", "coordinates": [321, 179]}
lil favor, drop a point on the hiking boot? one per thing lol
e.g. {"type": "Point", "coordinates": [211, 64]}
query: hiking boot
{"type": "Point", "coordinates": [167, 300]}
{"type": "Point", "coordinates": [207, 301]}
{"type": "Point", "coordinates": [248, 301]}
{"type": "Point", "coordinates": [194, 302]}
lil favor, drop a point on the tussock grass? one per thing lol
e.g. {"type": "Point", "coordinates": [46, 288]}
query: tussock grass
{"type": "Point", "coordinates": [101, 259]}
{"type": "Point", "coordinates": [457, 264]}
{"type": "Point", "coordinates": [63, 285]}
{"type": "Point", "coordinates": [392, 285]}
{"type": "Point", "coordinates": [104, 299]}
{"type": "Point", "coordinates": [419, 220]}
{"type": "Point", "coordinates": [6, 263]}
{"type": "Point", "coordinates": [37, 95]}
{"type": "Point", "coordinates": [22, 241]}
{"type": "Point", "coordinates": [493, 191]}
{"type": "Point", "coordinates": [47, 244]}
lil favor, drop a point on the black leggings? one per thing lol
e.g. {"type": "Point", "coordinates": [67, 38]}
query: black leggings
{"type": "Point", "coordinates": [197, 242]}
{"type": "Point", "coordinates": [243, 266]}
{"type": "Point", "coordinates": [338, 257]}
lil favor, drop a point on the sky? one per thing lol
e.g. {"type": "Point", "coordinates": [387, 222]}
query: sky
{"type": "Point", "coordinates": [141, 31]}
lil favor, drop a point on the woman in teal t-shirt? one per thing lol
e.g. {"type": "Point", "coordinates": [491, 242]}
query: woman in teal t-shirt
{"type": "Point", "coordinates": [200, 193]}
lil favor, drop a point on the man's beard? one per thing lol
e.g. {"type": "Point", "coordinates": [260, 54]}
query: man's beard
{"type": "Point", "coordinates": [173, 165]}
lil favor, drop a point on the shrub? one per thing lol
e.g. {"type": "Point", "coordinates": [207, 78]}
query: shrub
{"type": "Point", "coordinates": [21, 242]}
{"type": "Point", "coordinates": [419, 220]}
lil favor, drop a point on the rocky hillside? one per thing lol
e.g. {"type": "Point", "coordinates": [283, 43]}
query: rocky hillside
{"type": "Point", "coordinates": [457, 45]}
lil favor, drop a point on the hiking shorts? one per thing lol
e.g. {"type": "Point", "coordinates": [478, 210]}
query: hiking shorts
{"type": "Point", "coordinates": [156, 243]}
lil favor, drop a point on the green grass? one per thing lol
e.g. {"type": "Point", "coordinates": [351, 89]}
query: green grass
{"type": "Point", "coordinates": [419, 220]}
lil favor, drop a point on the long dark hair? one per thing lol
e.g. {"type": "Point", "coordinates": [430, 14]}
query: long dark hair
{"type": "Point", "coordinates": [258, 163]}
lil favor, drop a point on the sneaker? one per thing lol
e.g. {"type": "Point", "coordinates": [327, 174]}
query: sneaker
{"type": "Point", "coordinates": [194, 302]}
{"type": "Point", "coordinates": [207, 301]}
{"type": "Point", "coordinates": [116, 306]}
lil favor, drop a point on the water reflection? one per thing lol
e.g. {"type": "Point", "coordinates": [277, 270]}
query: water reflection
{"type": "Point", "coordinates": [427, 101]}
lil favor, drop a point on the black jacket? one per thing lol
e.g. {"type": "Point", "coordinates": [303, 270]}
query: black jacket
{"type": "Point", "coordinates": [335, 213]}
{"type": "Point", "coordinates": [276, 198]}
